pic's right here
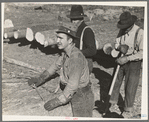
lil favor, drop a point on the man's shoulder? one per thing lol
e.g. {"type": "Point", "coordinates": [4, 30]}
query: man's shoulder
{"type": "Point", "coordinates": [138, 29]}
{"type": "Point", "coordinates": [76, 53]}
{"type": "Point", "coordinates": [87, 29]}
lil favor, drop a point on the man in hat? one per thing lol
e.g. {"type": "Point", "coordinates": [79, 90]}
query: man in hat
{"type": "Point", "coordinates": [74, 75]}
{"type": "Point", "coordinates": [130, 43]}
{"type": "Point", "coordinates": [89, 48]}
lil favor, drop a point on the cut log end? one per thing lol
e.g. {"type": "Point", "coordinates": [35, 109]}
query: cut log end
{"type": "Point", "coordinates": [5, 35]}
{"type": "Point", "coordinates": [46, 38]}
{"type": "Point", "coordinates": [40, 38]}
{"type": "Point", "coordinates": [16, 35]}
{"type": "Point", "coordinates": [29, 34]}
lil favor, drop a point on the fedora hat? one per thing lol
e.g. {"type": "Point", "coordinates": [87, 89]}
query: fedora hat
{"type": "Point", "coordinates": [68, 28]}
{"type": "Point", "coordinates": [126, 20]}
{"type": "Point", "coordinates": [76, 12]}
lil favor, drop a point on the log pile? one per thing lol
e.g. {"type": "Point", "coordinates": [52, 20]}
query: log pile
{"type": "Point", "coordinates": [44, 32]}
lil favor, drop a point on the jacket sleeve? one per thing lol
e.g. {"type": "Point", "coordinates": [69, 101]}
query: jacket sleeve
{"type": "Point", "coordinates": [89, 43]}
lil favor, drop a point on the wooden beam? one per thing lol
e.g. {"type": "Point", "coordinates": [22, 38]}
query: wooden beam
{"type": "Point", "coordinates": [23, 64]}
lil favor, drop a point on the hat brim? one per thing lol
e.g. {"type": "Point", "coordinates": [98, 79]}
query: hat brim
{"type": "Point", "coordinates": [60, 31]}
{"type": "Point", "coordinates": [124, 26]}
{"type": "Point", "coordinates": [76, 17]}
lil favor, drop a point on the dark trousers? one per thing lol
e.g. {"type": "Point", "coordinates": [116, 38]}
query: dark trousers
{"type": "Point", "coordinates": [131, 71]}
{"type": "Point", "coordinates": [83, 102]}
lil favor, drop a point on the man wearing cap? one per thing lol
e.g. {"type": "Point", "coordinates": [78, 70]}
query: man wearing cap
{"type": "Point", "coordinates": [130, 43]}
{"type": "Point", "coordinates": [89, 48]}
{"type": "Point", "coordinates": [74, 75]}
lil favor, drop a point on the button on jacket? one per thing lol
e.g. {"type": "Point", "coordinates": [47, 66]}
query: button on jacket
{"type": "Point", "coordinates": [74, 72]}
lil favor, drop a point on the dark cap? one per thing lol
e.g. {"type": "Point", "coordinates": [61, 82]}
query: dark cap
{"type": "Point", "coordinates": [126, 20]}
{"type": "Point", "coordinates": [68, 28]}
{"type": "Point", "coordinates": [76, 12]}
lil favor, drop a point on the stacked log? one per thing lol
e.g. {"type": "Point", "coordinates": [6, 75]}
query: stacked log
{"type": "Point", "coordinates": [8, 35]}
{"type": "Point", "coordinates": [17, 24]}
{"type": "Point", "coordinates": [31, 31]}
{"type": "Point", "coordinates": [21, 33]}
{"type": "Point", "coordinates": [8, 23]}
{"type": "Point", "coordinates": [9, 32]}
{"type": "Point", "coordinates": [16, 32]}
{"type": "Point", "coordinates": [46, 38]}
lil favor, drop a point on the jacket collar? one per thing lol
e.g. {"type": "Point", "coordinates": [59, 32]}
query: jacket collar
{"type": "Point", "coordinates": [133, 28]}
{"type": "Point", "coordinates": [69, 51]}
{"type": "Point", "coordinates": [82, 25]}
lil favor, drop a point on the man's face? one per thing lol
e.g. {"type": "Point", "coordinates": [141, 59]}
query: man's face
{"type": "Point", "coordinates": [75, 21]}
{"type": "Point", "coordinates": [62, 40]}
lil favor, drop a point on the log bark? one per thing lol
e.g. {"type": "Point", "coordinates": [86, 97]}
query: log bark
{"type": "Point", "coordinates": [9, 32]}
{"type": "Point", "coordinates": [31, 31]}
{"type": "Point", "coordinates": [46, 36]}
{"type": "Point", "coordinates": [8, 35]}
{"type": "Point", "coordinates": [12, 29]}
{"type": "Point", "coordinates": [23, 64]}
{"type": "Point", "coordinates": [21, 33]}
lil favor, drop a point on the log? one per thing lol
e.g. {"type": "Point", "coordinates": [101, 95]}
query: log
{"type": "Point", "coordinates": [13, 81]}
{"type": "Point", "coordinates": [31, 31]}
{"type": "Point", "coordinates": [8, 23]}
{"type": "Point", "coordinates": [9, 32]}
{"type": "Point", "coordinates": [8, 35]}
{"type": "Point", "coordinates": [12, 29]}
{"type": "Point", "coordinates": [20, 63]}
{"type": "Point", "coordinates": [46, 37]}
{"type": "Point", "coordinates": [21, 33]}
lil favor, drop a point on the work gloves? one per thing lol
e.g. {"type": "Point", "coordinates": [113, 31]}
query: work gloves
{"type": "Point", "coordinates": [107, 48]}
{"type": "Point", "coordinates": [37, 81]}
{"type": "Point", "coordinates": [52, 104]}
{"type": "Point", "coordinates": [123, 48]}
{"type": "Point", "coordinates": [122, 60]}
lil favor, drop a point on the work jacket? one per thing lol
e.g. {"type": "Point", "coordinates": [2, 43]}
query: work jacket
{"type": "Point", "coordinates": [89, 47]}
{"type": "Point", "coordinates": [74, 72]}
